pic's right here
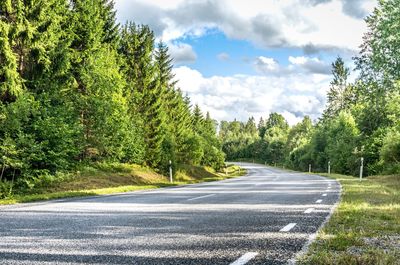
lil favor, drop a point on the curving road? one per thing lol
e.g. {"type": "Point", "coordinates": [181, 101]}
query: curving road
{"type": "Point", "coordinates": [265, 217]}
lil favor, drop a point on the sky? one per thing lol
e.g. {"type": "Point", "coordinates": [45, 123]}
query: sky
{"type": "Point", "coordinates": [247, 58]}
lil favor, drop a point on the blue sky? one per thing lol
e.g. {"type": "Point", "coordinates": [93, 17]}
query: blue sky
{"type": "Point", "coordinates": [242, 58]}
{"type": "Point", "coordinates": [240, 54]}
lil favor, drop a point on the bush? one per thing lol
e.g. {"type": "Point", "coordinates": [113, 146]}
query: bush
{"type": "Point", "coordinates": [390, 152]}
{"type": "Point", "coordinates": [5, 188]}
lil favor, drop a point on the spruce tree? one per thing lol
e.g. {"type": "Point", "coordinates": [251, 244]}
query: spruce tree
{"type": "Point", "coordinates": [144, 90]}
{"type": "Point", "coordinates": [197, 120]}
{"type": "Point", "coordinates": [340, 93]}
{"type": "Point", "coordinates": [98, 83]}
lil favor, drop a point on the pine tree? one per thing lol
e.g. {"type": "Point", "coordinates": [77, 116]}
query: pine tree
{"type": "Point", "coordinates": [111, 27]}
{"type": "Point", "coordinates": [340, 94]}
{"type": "Point", "coordinates": [261, 127]}
{"type": "Point", "coordinates": [36, 40]}
{"type": "Point", "coordinates": [197, 120]}
{"type": "Point", "coordinates": [251, 128]}
{"type": "Point", "coordinates": [137, 46]}
{"type": "Point", "coordinates": [10, 80]}
{"type": "Point", "coordinates": [98, 83]}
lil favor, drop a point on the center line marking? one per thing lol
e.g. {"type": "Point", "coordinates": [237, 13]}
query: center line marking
{"type": "Point", "coordinates": [324, 195]}
{"type": "Point", "coordinates": [309, 210]}
{"type": "Point", "coordinates": [201, 197]}
{"type": "Point", "coordinates": [318, 201]}
{"type": "Point", "coordinates": [288, 227]}
{"type": "Point", "coordinates": [245, 258]}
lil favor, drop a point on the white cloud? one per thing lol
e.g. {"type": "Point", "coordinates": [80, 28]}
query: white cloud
{"type": "Point", "coordinates": [182, 52]}
{"type": "Point", "coordinates": [265, 64]}
{"type": "Point", "coordinates": [297, 65]}
{"type": "Point", "coordinates": [316, 24]}
{"type": "Point", "coordinates": [311, 65]}
{"type": "Point", "coordinates": [242, 96]}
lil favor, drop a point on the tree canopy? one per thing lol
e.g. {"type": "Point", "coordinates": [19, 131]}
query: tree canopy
{"type": "Point", "coordinates": [361, 119]}
{"type": "Point", "coordinates": [76, 88]}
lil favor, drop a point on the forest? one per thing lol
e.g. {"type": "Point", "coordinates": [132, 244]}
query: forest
{"type": "Point", "coordinates": [78, 88]}
{"type": "Point", "coordinates": [361, 118]}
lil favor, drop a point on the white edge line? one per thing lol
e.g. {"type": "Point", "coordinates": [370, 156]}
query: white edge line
{"type": "Point", "coordinates": [201, 197]}
{"type": "Point", "coordinates": [245, 258]}
{"type": "Point", "coordinates": [288, 227]}
{"type": "Point", "coordinates": [312, 237]}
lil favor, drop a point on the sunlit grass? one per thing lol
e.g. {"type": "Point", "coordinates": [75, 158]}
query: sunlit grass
{"type": "Point", "coordinates": [365, 228]}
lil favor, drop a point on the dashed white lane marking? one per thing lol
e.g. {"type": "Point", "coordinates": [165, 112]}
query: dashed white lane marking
{"type": "Point", "coordinates": [245, 258]}
{"type": "Point", "coordinates": [309, 210]}
{"type": "Point", "coordinates": [324, 195]}
{"type": "Point", "coordinates": [201, 197]}
{"type": "Point", "coordinates": [288, 227]}
{"type": "Point", "coordinates": [318, 201]}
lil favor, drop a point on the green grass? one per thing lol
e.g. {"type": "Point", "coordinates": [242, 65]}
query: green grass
{"type": "Point", "coordinates": [365, 228]}
{"type": "Point", "coordinates": [115, 178]}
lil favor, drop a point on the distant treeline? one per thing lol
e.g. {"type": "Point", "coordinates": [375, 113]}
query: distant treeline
{"type": "Point", "coordinates": [361, 119]}
{"type": "Point", "coordinates": [76, 87]}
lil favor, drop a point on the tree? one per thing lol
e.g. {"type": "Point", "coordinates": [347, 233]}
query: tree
{"type": "Point", "coordinates": [379, 63]}
{"type": "Point", "coordinates": [299, 135]}
{"type": "Point", "coordinates": [98, 83]}
{"type": "Point", "coordinates": [197, 119]}
{"type": "Point", "coordinates": [251, 128]}
{"type": "Point", "coordinates": [379, 58]}
{"type": "Point", "coordinates": [75, 88]}
{"type": "Point", "coordinates": [342, 142]}
{"type": "Point", "coordinates": [340, 94]}
{"type": "Point", "coordinates": [276, 120]}
{"type": "Point", "coordinates": [144, 90]}
{"type": "Point", "coordinates": [261, 128]}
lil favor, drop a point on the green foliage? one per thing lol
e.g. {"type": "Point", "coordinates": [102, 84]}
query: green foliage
{"type": "Point", "coordinates": [390, 151]}
{"type": "Point", "coordinates": [361, 119]}
{"type": "Point", "coordinates": [76, 88]}
{"type": "Point", "coordinates": [342, 140]}
{"type": "Point", "coordinates": [243, 140]}
{"type": "Point", "coordinates": [340, 96]}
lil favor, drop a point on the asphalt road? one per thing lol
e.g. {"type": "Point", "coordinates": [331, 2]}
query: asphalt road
{"type": "Point", "coordinates": [265, 217]}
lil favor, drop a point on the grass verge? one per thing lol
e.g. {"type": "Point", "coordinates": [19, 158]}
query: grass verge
{"type": "Point", "coordinates": [365, 228]}
{"type": "Point", "coordinates": [103, 179]}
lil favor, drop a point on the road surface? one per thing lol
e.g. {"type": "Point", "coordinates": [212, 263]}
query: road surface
{"type": "Point", "coordinates": [265, 217]}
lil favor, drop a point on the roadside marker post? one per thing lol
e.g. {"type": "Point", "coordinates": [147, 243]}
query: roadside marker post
{"type": "Point", "coordinates": [329, 167]}
{"type": "Point", "coordinates": [170, 171]}
{"type": "Point", "coordinates": [309, 168]}
{"type": "Point", "coordinates": [361, 168]}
